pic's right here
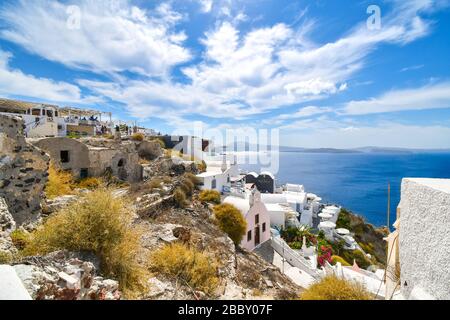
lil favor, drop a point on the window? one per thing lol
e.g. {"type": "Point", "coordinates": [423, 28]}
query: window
{"type": "Point", "coordinates": [36, 112]}
{"type": "Point", "coordinates": [249, 235]}
{"type": "Point", "coordinates": [121, 163]}
{"type": "Point", "coordinates": [84, 173]}
{"type": "Point", "coordinates": [65, 158]}
{"type": "Point", "coordinates": [264, 227]}
{"type": "Point", "coordinates": [214, 184]}
{"type": "Point", "coordinates": [257, 219]}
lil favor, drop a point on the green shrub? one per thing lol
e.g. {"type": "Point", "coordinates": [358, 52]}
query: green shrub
{"type": "Point", "coordinates": [180, 198]}
{"type": "Point", "coordinates": [231, 221]}
{"type": "Point", "coordinates": [186, 264]}
{"type": "Point", "coordinates": [20, 239]}
{"type": "Point", "coordinates": [98, 223]}
{"type": "Point", "coordinates": [358, 256]}
{"type": "Point", "coordinates": [336, 259]}
{"type": "Point", "coordinates": [344, 220]}
{"type": "Point", "coordinates": [211, 196]}
{"type": "Point", "coordinates": [332, 288]}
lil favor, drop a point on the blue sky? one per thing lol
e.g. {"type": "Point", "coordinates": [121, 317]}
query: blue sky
{"type": "Point", "coordinates": [314, 70]}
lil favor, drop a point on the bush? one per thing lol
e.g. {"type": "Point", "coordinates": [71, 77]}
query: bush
{"type": "Point", "coordinates": [211, 196]}
{"type": "Point", "coordinates": [180, 198]}
{"type": "Point", "coordinates": [202, 166]}
{"type": "Point", "coordinates": [192, 178]}
{"type": "Point", "coordinates": [89, 183]}
{"type": "Point", "coordinates": [155, 183]}
{"type": "Point", "coordinates": [187, 186]}
{"type": "Point", "coordinates": [187, 264]}
{"type": "Point", "coordinates": [344, 220]}
{"type": "Point", "coordinates": [357, 256]}
{"type": "Point", "coordinates": [101, 224]}
{"type": "Point", "coordinates": [332, 288]}
{"type": "Point", "coordinates": [231, 221]}
{"type": "Point", "coordinates": [59, 183]}
{"type": "Point", "coordinates": [137, 137]}
{"type": "Point", "coordinates": [5, 257]}
{"type": "Point", "coordinates": [20, 239]}
{"type": "Point", "coordinates": [336, 259]}
{"type": "Point", "coordinates": [161, 142]}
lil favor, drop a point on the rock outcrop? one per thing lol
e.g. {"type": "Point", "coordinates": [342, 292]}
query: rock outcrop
{"type": "Point", "coordinates": [65, 276]}
{"type": "Point", "coordinates": [23, 172]}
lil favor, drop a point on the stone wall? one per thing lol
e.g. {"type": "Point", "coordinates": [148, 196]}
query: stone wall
{"type": "Point", "coordinates": [78, 153]}
{"type": "Point", "coordinates": [23, 172]}
{"type": "Point", "coordinates": [424, 237]}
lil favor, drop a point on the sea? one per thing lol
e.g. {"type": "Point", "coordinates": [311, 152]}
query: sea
{"type": "Point", "coordinates": [358, 181]}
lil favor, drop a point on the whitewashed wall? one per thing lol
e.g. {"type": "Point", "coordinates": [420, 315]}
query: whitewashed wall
{"type": "Point", "coordinates": [425, 237]}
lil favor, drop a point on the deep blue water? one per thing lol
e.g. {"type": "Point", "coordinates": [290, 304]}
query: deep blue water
{"type": "Point", "coordinates": [359, 181]}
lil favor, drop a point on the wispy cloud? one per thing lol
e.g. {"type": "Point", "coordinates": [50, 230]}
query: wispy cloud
{"type": "Point", "coordinates": [411, 68]}
{"type": "Point", "coordinates": [433, 96]}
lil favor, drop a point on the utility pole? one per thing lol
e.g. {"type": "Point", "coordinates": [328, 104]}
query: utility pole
{"type": "Point", "coordinates": [389, 208]}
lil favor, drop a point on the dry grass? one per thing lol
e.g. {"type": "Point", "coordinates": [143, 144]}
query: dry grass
{"type": "Point", "coordinates": [211, 196]}
{"type": "Point", "coordinates": [20, 239]}
{"type": "Point", "coordinates": [231, 221]}
{"type": "Point", "coordinates": [138, 137]}
{"type": "Point", "coordinates": [180, 198]}
{"type": "Point", "coordinates": [59, 183]}
{"type": "Point", "coordinates": [332, 288]}
{"type": "Point", "coordinates": [101, 224]}
{"type": "Point", "coordinates": [89, 183]}
{"type": "Point", "coordinates": [5, 257]}
{"type": "Point", "coordinates": [187, 264]}
{"type": "Point", "coordinates": [187, 186]}
{"type": "Point", "coordinates": [192, 178]}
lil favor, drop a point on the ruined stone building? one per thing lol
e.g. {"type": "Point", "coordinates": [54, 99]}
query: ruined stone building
{"type": "Point", "coordinates": [93, 157]}
{"type": "Point", "coordinates": [23, 171]}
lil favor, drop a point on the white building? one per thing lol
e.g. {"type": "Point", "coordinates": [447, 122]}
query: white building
{"type": "Point", "coordinates": [293, 197]}
{"type": "Point", "coordinates": [218, 175]}
{"type": "Point", "coordinates": [419, 248]}
{"type": "Point", "coordinates": [44, 120]}
{"type": "Point", "coordinates": [257, 217]}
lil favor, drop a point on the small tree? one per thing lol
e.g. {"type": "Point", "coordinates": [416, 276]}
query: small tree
{"type": "Point", "coordinates": [231, 221]}
{"type": "Point", "coordinates": [332, 288]}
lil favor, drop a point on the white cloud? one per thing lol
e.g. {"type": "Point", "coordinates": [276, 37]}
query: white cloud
{"type": "Point", "coordinates": [111, 38]}
{"type": "Point", "coordinates": [240, 74]}
{"type": "Point", "coordinates": [305, 112]}
{"type": "Point", "coordinates": [434, 96]}
{"type": "Point", "coordinates": [382, 135]}
{"type": "Point", "coordinates": [206, 5]}
{"type": "Point", "coordinates": [15, 82]}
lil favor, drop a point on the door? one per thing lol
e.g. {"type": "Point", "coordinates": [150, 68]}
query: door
{"type": "Point", "coordinates": [257, 236]}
